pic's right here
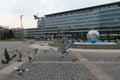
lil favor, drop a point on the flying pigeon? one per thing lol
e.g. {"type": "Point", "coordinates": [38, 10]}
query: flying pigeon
{"type": "Point", "coordinates": [20, 70]}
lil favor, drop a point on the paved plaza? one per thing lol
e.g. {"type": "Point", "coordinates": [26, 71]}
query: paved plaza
{"type": "Point", "coordinates": [49, 64]}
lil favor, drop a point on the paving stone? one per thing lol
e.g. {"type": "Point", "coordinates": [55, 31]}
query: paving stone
{"type": "Point", "coordinates": [53, 71]}
{"type": "Point", "coordinates": [112, 70]}
{"type": "Point", "coordinates": [101, 56]}
{"type": "Point", "coordinates": [49, 65]}
{"type": "Point", "coordinates": [54, 57]}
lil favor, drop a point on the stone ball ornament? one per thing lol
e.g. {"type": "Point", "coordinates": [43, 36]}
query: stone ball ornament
{"type": "Point", "coordinates": [93, 36]}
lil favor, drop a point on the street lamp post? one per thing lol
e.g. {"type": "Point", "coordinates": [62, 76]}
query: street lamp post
{"type": "Point", "coordinates": [21, 16]}
{"type": "Point", "coordinates": [36, 17]}
{"type": "Point", "coordinates": [21, 21]}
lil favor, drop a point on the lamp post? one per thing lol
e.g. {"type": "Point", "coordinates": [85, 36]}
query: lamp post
{"type": "Point", "coordinates": [36, 17]}
{"type": "Point", "coordinates": [21, 21]}
{"type": "Point", "coordinates": [21, 16]}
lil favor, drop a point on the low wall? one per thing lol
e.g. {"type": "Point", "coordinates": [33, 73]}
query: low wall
{"type": "Point", "coordinates": [116, 46]}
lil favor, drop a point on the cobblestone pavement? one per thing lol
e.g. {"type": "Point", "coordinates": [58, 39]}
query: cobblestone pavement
{"type": "Point", "coordinates": [102, 56]}
{"type": "Point", "coordinates": [53, 71]}
{"type": "Point", "coordinates": [11, 48]}
{"type": "Point", "coordinates": [54, 57]}
{"type": "Point", "coordinates": [112, 70]}
{"type": "Point", "coordinates": [78, 65]}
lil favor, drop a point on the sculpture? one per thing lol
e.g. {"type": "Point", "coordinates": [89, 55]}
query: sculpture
{"type": "Point", "coordinates": [93, 36]}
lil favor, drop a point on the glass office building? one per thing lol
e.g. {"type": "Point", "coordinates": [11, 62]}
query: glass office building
{"type": "Point", "coordinates": [76, 23]}
{"type": "Point", "coordinates": [36, 32]}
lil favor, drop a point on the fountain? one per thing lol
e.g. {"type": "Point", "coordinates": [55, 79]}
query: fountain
{"type": "Point", "coordinates": [93, 39]}
{"type": "Point", "coordinates": [92, 42]}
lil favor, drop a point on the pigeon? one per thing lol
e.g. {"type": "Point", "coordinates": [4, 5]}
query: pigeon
{"type": "Point", "coordinates": [20, 70]}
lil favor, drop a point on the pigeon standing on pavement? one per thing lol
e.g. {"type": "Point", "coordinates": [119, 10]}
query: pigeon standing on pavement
{"type": "Point", "coordinates": [30, 59]}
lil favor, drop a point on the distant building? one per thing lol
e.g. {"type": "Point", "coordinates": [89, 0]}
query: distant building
{"type": "Point", "coordinates": [76, 23]}
{"type": "Point", "coordinates": [17, 33]}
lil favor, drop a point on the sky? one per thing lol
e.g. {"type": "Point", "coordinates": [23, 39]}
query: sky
{"type": "Point", "coordinates": [10, 10]}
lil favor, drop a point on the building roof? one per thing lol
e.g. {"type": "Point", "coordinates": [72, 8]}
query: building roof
{"type": "Point", "coordinates": [103, 5]}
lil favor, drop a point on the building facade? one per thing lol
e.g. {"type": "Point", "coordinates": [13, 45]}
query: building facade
{"type": "Point", "coordinates": [37, 32]}
{"type": "Point", "coordinates": [76, 23]}
{"type": "Point", "coordinates": [18, 34]}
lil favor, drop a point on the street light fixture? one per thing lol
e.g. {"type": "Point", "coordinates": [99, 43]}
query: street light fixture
{"type": "Point", "coordinates": [36, 17]}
